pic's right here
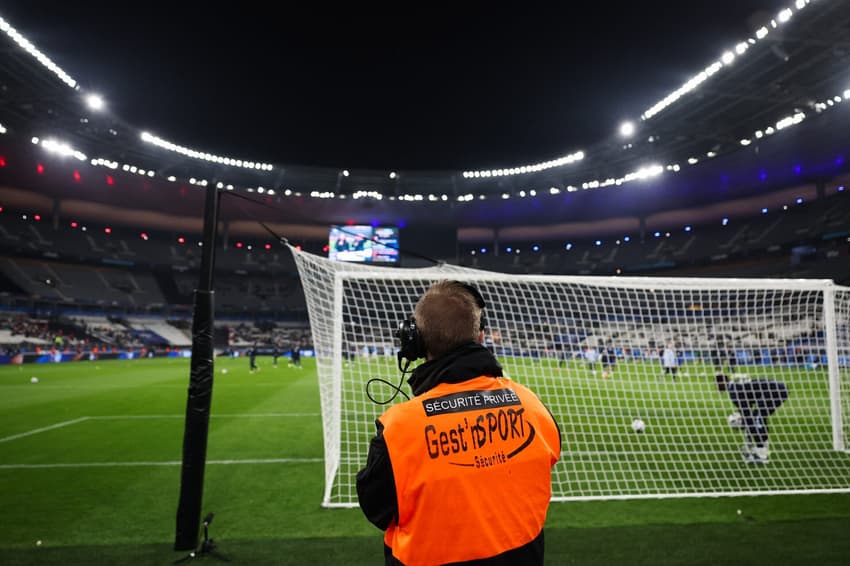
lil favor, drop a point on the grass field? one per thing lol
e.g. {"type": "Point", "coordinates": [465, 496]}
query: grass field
{"type": "Point", "coordinates": [89, 466]}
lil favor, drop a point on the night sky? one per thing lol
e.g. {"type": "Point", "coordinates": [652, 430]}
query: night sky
{"type": "Point", "coordinates": [431, 87]}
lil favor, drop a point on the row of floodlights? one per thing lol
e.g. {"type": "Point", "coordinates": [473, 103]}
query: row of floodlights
{"type": "Point", "coordinates": [726, 59]}
{"type": "Point", "coordinates": [95, 102]}
{"type": "Point", "coordinates": [65, 149]}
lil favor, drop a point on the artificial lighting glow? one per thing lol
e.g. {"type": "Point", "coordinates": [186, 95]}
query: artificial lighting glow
{"type": "Point", "coordinates": [559, 162]}
{"type": "Point", "coordinates": [726, 59]}
{"type": "Point", "coordinates": [229, 161]}
{"type": "Point", "coordinates": [95, 102]}
{"type": "Point", "coordinates": [627, 129]}
{"type": "Point", "coordinates": [362, 194]}
{"type": "Point", "coordinates": [790, 120]}
{"type": "Point", "coordinates": [393, 175]}
{"type": "Point", "coordinates": [345, 173]}
{"type": "Point", "coordinates": [25, 44]}
{"type": "Point", "coordinates": [60, 148]}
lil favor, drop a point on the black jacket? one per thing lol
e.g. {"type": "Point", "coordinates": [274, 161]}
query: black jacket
{"type": "Point", "coordinates": [376, 482]}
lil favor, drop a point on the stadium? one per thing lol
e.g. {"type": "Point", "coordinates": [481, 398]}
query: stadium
{"type": "Point", "coordinates": [635, 281]}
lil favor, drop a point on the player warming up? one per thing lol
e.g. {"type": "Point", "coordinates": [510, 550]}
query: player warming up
{"type": "Point", "coordinates": [460, 473]}
{"type": "Point", "coordinates": [252, 359]}
{"type": "Point", "coordinates": [756, 400]}
{"type": "Point", "coordinates": [670, 361]}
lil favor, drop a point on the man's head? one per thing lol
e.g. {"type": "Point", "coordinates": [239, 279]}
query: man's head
{"type": "Point", "coordinates": [448, 315]}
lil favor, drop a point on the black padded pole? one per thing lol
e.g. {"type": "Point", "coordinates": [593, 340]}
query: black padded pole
{"type": "Point", "coordinates": [200, 388]}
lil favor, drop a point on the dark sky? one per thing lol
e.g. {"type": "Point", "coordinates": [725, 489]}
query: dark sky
{"type": "Point", "coordinates": [433, 87]}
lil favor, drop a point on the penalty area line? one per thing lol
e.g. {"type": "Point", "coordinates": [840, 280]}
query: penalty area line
{"type": "Point", "coordinates": [43, 429]}
{"type": "Point", "coordinates": [158, 464]}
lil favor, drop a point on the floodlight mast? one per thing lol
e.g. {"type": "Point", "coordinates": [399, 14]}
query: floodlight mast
{"type": "Point", "coordinates": [201, 374]}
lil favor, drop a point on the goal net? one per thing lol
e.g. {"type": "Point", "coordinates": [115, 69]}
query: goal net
{"type": "Point", "coordinates": [602, 353]}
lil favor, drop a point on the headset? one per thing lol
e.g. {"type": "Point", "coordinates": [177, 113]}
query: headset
{"type": "Point", "coordinates": [412, 346]}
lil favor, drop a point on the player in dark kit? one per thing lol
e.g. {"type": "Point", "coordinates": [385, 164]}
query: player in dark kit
{"type": "Point", "coordinates": [756, 400]}
{"type": "Point", "coordinates": [296, 356]}
{"type": "Point", "coordinates": [252, 358]}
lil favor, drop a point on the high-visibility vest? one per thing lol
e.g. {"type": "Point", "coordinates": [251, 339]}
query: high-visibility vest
{"type": "Point", "coordinates": [472, 463]}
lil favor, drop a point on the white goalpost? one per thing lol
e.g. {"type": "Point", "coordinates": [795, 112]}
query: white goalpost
{"type": "Point", "coordinates": [593, 349]}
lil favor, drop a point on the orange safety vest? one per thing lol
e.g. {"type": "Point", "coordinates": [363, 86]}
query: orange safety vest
{"type": "Point", "coordinates": [472, 463]}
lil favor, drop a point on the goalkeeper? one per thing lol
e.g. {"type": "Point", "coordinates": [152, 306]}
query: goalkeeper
{"type": "Point", "coordinates": [461, 473]}
{"type": "Point", "coordinates": [756, 400]}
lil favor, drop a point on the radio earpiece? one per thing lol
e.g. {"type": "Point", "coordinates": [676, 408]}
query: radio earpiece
{"type": "Point", "coordinates": [412, 347]}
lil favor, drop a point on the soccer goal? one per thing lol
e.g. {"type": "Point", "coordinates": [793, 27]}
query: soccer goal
{"type": "Point", "coordinates": [604, 353]}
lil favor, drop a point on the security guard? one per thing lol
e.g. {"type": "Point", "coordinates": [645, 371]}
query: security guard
{"type": "Point", "coordinates": [461, 472]}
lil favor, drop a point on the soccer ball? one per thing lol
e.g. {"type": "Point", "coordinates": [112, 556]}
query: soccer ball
{"type": "Point", "coordinates": [638, 425]}
{"type": "Point", "coordinates": [224, 371]}
{"type": "Point", "coordinates": [33, 379]}
{"type": "Point", "coordinates": [735, 420]}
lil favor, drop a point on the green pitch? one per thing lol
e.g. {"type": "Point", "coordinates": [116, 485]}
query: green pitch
{"type": "Point", "coordinates": [89, 466]}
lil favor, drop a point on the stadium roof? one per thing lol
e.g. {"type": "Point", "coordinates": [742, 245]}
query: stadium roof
{"type": "Point", "coordinates": [782, 66]}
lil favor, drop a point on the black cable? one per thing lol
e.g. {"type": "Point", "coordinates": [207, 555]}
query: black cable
{"type": "Point", "coordinates": [404, 370]}
{"type": "Point", "coordinates": [284, 240]}
{"type": "Point", "coordinates": [393, 386]}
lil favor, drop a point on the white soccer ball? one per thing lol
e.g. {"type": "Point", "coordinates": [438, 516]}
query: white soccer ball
{"type": "Point", "coordinates": [735, 420]}
{"type": "Point", "coordinates": [224, 371]}
{"type": "Point", "coordinates": [638, 425]}
{"type": "Point", "coordinates": [33, 379]}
